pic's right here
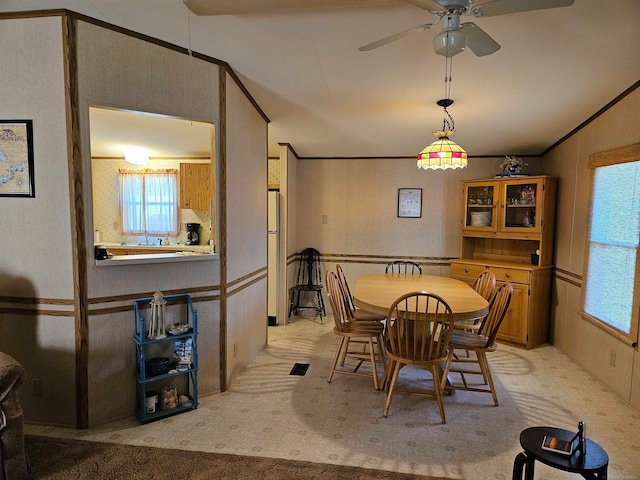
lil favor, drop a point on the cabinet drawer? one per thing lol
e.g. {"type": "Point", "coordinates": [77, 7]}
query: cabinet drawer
{"type": "Point", "coordinates": [502, 274]}
{"type": "Point", "coordinates": [466, 270]}
{"type": "Point", "coordinates": [513, 276]}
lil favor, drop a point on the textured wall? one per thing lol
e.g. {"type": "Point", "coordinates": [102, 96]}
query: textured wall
{"type": "Point", "coordinates": [274, 172]}
{"type": "Point", "coordinates": [583, 342]}
{"type": "Point", "coordinates": [119, 71]}
{"type": "Point", "coordinates": [246, 240]}
{"type": "Point", "coordinates": [359, 199]}
{"type": "Point", "coordinates": [35, 238]}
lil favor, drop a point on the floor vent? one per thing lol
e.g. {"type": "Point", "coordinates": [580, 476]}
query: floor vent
{"type": "Point", "coordinates": [299, 369]}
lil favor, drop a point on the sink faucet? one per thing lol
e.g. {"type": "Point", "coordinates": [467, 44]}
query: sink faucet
{"type": "Point", "coordinates": [146, 238]}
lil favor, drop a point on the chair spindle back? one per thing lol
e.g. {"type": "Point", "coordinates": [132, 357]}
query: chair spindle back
{"type": "Point", "coordinates": [403, 266]}
{"type": "Point", "coordinates": [422, 327]}
{"type": "Point", "coordinates": [336, 298]}
{"type": "Point", "coordinates": [497, 311]}
{"type": "Point", "coordinates": [485, 284]}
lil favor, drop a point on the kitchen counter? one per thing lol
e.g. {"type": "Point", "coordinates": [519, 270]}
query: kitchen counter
{"type": "Point", "coordinates": [147, 258]}
{"type": "Point", "coordinates": [132, 254]}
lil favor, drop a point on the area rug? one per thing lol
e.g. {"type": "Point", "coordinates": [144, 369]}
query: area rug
{"type": "Point", "coordinates": [65, 459]}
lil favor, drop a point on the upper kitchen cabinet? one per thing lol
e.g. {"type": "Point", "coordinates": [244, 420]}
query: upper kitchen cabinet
{"type": "Point", "coordinates": [480, 202]}
{"type": "Point", "coordinates": [509, 219]}
{"type": "Point", "coordinates": [522, 206]}
{"type": "Point", "coordinates": [195, 181]}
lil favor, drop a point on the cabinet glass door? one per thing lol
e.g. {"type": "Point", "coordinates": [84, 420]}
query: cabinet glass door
{"type": "Point", "coordinates": [480, 207]}
{"type": "Point", "coordinates": [522, 201]}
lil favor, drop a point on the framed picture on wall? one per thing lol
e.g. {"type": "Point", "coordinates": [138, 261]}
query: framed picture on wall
{"type": "Point", "coordinates": [409, 202]}
{"type": "Point", "coordinates": [16, 158]}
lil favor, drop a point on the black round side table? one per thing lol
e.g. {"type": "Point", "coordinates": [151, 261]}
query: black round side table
{"type": "Point", "coordinates": [593, 465]}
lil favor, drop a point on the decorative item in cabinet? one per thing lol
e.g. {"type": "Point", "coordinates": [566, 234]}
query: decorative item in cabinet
{"type": "Point", "coordinates": [521, 206]}
{"type": "Point", "coordinates": [167, 367]}
{"type": "Point", "coordinates": [195, 190]}
{"type": "Point", "coordinates": [480, 207]}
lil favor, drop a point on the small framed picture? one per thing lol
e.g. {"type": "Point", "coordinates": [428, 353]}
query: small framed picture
{"type": "Point", "coordinates": [16, 158]}
{"type": "Point", "coordinates": [409, 202]}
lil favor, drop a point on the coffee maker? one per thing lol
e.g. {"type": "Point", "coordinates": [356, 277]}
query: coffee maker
{"type": "Point", "coordinates": [193, 234]}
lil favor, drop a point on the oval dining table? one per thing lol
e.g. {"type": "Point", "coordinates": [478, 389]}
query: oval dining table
{"type": "Point", "coordinates": [376, 292]}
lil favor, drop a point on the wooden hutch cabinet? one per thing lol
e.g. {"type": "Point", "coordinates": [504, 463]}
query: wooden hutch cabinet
{"type": "Point", "coordinates": [505, 221]}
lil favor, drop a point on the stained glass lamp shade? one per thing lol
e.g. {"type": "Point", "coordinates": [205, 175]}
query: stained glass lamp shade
{"type": "Point", "coordinates": [442, 154]}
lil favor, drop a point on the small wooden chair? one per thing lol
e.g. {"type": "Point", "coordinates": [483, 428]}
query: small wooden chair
{"type": "Point", "coordinates": [403, 266]}
{"type": "Point", "coordinates": [419, 335]}
{"type": "Point", "coordinates": [358, 332]}
{"type": "Point", "coordinates": [480, 342]}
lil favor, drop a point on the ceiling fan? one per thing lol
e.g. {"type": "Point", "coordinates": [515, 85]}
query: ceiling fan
{"type": "Point", "coordinates": [456, 36]}
{"type": "Point", "coordinates": [453, 39]}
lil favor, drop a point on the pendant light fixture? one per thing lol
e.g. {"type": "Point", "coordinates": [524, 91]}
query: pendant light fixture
{"type": "Point", "coordinates": [444, 153]}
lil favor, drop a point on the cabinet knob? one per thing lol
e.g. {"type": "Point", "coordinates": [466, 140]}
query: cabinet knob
{"type": "Point", "coordinates": [466, 270]}
{"type": "Point", "coordinates": [507, 275]}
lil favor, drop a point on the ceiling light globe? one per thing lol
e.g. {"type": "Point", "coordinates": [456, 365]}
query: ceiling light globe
{"type": "Point", "coordinates": [450, 43]}
{"type": "Point", "coordinates": [136, 156]}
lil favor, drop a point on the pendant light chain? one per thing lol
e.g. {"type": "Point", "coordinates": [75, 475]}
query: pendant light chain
{"type": "Point", "coordinates": [447, 122]}
{"type": "Point", "coordinates": [444, 153]}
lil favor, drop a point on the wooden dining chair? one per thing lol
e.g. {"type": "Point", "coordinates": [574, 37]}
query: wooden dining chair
{"type": "Point", "coordinates": [419, 335]}
{"type": "Point", "coordinates": [485, 284]}
{"type": "Point", "coordinates": [352, 331]}
{"type": "Point", "coordinates": [480, 342]}
{"type": "Point", "coordinates": [308, 279]}
{"type": "Point", "coordinates": [353, 312]}
{"type": "Point", "coordinates": [403, 266]}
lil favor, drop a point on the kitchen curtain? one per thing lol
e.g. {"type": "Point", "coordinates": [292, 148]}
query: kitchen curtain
{"type": "Point", "coordinates": [149, 202]}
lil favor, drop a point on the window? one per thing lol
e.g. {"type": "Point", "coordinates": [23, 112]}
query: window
{"type": "Point", "coordinates": [149, 202]}
{"type": "Point", "coordinates": [612, 266]}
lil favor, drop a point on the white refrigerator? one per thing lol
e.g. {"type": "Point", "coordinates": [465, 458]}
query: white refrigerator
{"type": "Point", "coordinates": [273, 255]}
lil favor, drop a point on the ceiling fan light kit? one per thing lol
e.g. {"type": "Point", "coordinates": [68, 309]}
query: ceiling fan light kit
{"type": "Point", "coordinates": [451, 43]}
{"type": "Point", "coordinates": [468, 33]}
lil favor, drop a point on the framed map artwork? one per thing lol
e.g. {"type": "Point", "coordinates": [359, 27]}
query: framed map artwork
{"type": "Point", "coordinates": [16, 158]}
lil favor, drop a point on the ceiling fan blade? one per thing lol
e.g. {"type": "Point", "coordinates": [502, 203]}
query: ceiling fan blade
{"type": "Point", "coordinates": [424, 4]}
{"type": "Point", "coordinates": [240, 7]}
{"type": "Point", "coordinates": [478, 40]}
{"type": "Point", "coordinates": [504, 7]}
{"type": "Point", "coordinates": [394, 37]}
